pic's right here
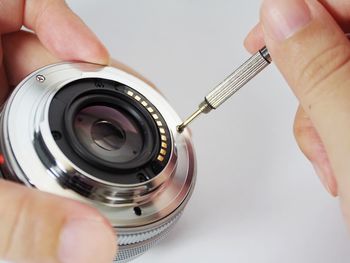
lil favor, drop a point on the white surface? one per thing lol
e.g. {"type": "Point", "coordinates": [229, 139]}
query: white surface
{"type": "Point", "coordinates": [257, 198]}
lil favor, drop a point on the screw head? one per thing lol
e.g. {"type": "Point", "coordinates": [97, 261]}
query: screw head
{"type": "Point", "coordinates": [40, 78]}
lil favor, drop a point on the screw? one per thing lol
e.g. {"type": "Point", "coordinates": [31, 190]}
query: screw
{"type": "Point", "coordinates": [40, 78]}
{"type": "Point", "coordinates": [56, 135]}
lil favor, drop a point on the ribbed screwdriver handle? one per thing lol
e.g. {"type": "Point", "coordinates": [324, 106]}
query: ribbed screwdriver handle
{"type": "Point", "coordinates": [239, 78]}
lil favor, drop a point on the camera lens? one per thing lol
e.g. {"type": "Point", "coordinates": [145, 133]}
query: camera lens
{"type": "Point", "coordinates": [101, 136]}
{"type": "Point", "coordinates": [109, 133]}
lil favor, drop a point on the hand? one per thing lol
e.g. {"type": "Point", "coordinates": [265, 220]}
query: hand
{"type": "Point", "coordinates": [307, 43]}
{"type": "Point", "coordinates": [37, 227]}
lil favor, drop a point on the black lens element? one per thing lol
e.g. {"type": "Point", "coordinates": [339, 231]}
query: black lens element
{"type": "Point", "coordinates": [108, 133]}
{"type": "Point", "coordinates": [108, 136]}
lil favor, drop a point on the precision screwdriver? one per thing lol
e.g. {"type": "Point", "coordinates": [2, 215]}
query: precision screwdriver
{"type": "Point", "coordinates": [241, 76]}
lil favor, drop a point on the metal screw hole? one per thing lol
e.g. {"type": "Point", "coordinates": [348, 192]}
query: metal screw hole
{"type": "Point", "coordinates": [56, 135]}
{"type": "Point", "coordinates": [138, 211]}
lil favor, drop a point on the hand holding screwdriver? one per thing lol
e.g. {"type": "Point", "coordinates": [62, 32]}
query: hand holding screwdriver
{"type": "Point", "coordinates": [231, 85]}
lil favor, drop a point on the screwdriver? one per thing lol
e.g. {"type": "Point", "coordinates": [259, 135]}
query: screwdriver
{"type": "Point", "coordinates": [221, 93]}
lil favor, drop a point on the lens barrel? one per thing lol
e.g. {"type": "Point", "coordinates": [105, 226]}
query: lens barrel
{"type": "Point", "coordinates": [101, 136]}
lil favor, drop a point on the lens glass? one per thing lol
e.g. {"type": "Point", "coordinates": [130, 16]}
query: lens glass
{"type": "Point", "coordinates": [108, 133]}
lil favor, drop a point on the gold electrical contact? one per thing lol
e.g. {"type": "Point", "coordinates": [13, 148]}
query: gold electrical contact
{"type": "Point", "coordinates": [164, 145]}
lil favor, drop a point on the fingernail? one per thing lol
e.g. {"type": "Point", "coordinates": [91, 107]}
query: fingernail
{"type": "Point", "coordinates": [283, 18]}
{"type": "Point", "coordinates": [86, 241]}
{"type": "Point", "coordinates": [326, 179]}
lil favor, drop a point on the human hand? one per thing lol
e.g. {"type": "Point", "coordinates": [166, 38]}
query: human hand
{"type": "Point", "coordinates": [37, 227]}
{"type": "Point", "coordinates": [307, 43]}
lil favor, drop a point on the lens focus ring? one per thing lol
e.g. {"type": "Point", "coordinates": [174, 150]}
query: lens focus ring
{"type": "Point", "coordinates": [143, 240]}
{"type": "Point", "coordinates": [127, 239]}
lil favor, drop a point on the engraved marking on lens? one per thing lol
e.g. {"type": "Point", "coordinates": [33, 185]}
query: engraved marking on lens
{"type": "Point", "coordinates": [138, 211]}
{"type": "Point", "coordinates": [159, 123]}
{"type": "Point", "coordinates": [160, 158]}
{"type": "Point", "coordinates": [107, 136]}
{"type": "Point", "coordinates": [164, 145]}
{"type": "Point", "coordinates": [150, 109]}
{"type": "Point", "coordinates": [99, 84]}
{"type": "Point", "coordinates": [137, 97]}
{"type": "Point", "coordinates": [163, 137]}
{"type": "Point", "coordinates": [155, 116]}
{"type": "Point", "coordinates": [144, 103]}
{"type": "Point", "coordinates": [130, 93]}
{"type": "Point", "coordinates": [162, 152]}
{"type": "Point", "coordinates": [162, 131]}
{"type": "Point", "coordinates": [56, 135]}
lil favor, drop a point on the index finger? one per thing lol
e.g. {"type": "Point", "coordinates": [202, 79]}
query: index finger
{"type": "Point", "coordinates": [61, 31]}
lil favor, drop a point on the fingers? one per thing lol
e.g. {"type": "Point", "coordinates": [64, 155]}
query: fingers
{"type": "Point", "coordinates": [311, 145]}
{"type": "Point", "coordinates": [311, 51]}
{"type": "Point", "coordinates": [58, 28]}
{"type": "Point", "coordinates": [340, 10]}
{"type": "Point", "coordinates": [42, 228]}
{"type": "Point", "coordinates": [23, 53]}
{"type": "Point", "coordinates": [255, 39]}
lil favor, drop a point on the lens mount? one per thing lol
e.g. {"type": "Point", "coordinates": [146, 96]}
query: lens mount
{"type": "Point", "coordinates": [84, 106]}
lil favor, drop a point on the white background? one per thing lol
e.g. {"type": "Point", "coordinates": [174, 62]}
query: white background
{"type": "Point", "coordinates": [257, 198]}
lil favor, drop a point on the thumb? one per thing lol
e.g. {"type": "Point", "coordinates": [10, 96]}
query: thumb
{"type": "Point", "coordinates": [37, 227]}
{"type": "Point", "coordinates": [313, 54]}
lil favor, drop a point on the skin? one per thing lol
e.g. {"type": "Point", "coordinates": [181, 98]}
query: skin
{"type": "Point", "coordinates": [31, 227]}
{"type": "Point", "coordinates": [315, 61]}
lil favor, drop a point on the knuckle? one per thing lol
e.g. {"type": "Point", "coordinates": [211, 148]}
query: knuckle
{"type": "Point", "coordinates": [302, 124]}
{"type": "Point", "coordinates": [11, 15]}
{"type": "Point", "coordinates": [302, 131]}
{"type": "Point", "coordinates": [321, 69]}
{"type": "Point", "coordinates": [305, 134]}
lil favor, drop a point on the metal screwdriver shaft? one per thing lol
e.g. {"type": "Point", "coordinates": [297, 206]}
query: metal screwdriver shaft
{"type": "Point", "coordinates": [231, 85]}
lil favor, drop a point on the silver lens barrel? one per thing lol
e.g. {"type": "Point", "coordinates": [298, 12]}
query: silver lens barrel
{"type": "Point", "coordinates": [144, 195]}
